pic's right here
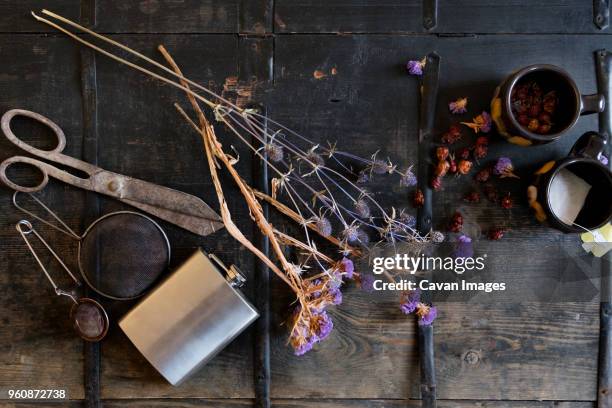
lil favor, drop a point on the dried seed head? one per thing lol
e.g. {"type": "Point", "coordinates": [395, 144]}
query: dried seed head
{"type": "Point", "coordinates": [275, 152]}
{"type": "Point", "coordinates": [408, 178]}
{"type": "Point", "coordinates": [363, 238]}
{"type": "Point", "coordinates": [362, 209]}
{"type": "Point", "coordinates": [363, 177]}
{"type": "Point", "coordinates": [407, 219]}
{"type": "Point", "coordinates": [437, 236]}
{"type": "Point", "coordinates": [315, 158]}
{"type": "Point", "coordinates": [379, 167]}
{"type": "Point", "coordinates": [351, 233]}
{"type": "Point", "coordinates": [324, 226]}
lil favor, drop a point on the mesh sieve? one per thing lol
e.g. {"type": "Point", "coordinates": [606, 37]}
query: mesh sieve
{"type": "Point", "coordinates": [122, 254]}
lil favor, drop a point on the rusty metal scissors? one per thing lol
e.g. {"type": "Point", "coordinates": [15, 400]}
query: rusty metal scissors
{"type": "Point", "coordinates": [176, 207]}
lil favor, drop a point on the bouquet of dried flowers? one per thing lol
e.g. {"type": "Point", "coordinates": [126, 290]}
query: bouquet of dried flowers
{"type": "Point", "coordinates": [317, 186]}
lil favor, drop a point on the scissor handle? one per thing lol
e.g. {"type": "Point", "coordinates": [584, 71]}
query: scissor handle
{"type": "Point", "coordinates": [8, 132]}
{"type": "Point", "coordinates": [45, 168]}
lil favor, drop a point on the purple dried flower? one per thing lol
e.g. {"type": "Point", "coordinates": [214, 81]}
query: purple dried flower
{"type": "Point", "coordinates": [415, 67]}
{"type": "Point", "coordinates": [603, 159]}
{"type": "Point", "coordinates": [503, 168]}
{"type": "Point", "coordinates": [362, 209]}
{"type": "Point", "coordinates": [336, 296]}
{"type": "Point", "coordinates": [481, 123]}
{"type": "Point", "coordinates": [409, 301]}
{"type": "Point", "coordinates": [427, 314]}
{"type": "Point", "coordinates": [351, 233]}
{"type": "Point", "coordinates": [317, 293]}
{"type": "Point", "coordinates": [379, 167]}
{"type": "Point", "coordinates": [407, 219]}
{"type": "Point", "coordinates": [347, 267]}
{"type": "Point", "coordinates": [275, 152]}
{"type": "Point", "coordinates": [408, 178]}
{"type": "Point", "coordinates": [458, 106]}
{"type": "Point", "coordinates": [363, 177]}
{"type": "Point", "coordinates": [304, 347]}
{"type": "Point", "coordinates": [323, 325]}
{"type": "Point", "coordinates": [464, 247]}
{"type": "Point", "coordinates": [324, 226]}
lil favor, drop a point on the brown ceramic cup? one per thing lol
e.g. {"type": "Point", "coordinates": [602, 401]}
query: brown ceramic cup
{"type": "Point", "coordinates": [571, 104]}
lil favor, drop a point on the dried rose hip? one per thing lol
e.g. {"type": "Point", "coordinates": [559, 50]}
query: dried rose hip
{"type": "Point", "coordinates": [456, 222]}
{"type": "Point", "coordinates": [453, 135]}
{"type": "Point", "coordinates": [483, 175]}
{"type": "Point", "coordinates": [496, 233]}
{"type": "Point", "coordinates": [480, 151]}
{"type": "Point", "coordinates": [506, 201]}
{"type": "Point", "coordinates": [491, 193]}
{"type": "Point", "coordinates": [442, 153]}
{"type": "Point", "coordinates": [464, 153]}
{"type": "Point", "coordinates": [441, 168]}
{"type": "Point", "coordinates": [436, 183]}
{"type": "Point", "coordinates": [418, 199]}
{"type": "Point", "coordinates": [464, 166]}
{"type": "Point", "coordinates": [533, 125]}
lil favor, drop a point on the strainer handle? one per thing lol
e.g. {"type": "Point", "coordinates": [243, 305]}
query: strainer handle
{"type": "Point", "coordinates": [25, 228]}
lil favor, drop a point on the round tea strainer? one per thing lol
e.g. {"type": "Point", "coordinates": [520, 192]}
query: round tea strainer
{"type": "Point", "coordinates": [121, 254]}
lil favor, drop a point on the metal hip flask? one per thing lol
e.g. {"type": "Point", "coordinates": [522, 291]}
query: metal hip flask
{"type": "Point", "coordinates": [189, 318]}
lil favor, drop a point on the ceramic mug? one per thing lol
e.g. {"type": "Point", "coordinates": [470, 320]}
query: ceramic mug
{"type": "Point", "coordinates": [571, 104]}
{"type": "Point", "coordinates": [582, 168]}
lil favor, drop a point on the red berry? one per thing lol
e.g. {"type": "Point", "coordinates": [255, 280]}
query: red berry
{"type": "Point", "coordinates": [545, 118]}
{"type": "Point", "coordinates": [464, 166]}
{"type": "Point", "coordinates": [453, 135]}
{"type": "Point", "coordinates": [544, 128]}
{"type": "Point", "coordinates": [442, 168]}
{"type": "Point", "coordinates": [472, 197]}
{"type": "Point", "coordinates": [464, 153]}
{"type": "Point", "coordinates": [534, 111]}
{"type": "Point", "coordinates": [483, 175]}
{"type": "Point", "coordinates": [418, 199]}
{"type": "Point", "coordinates": [523, 120]}
{"type": "Point", "coordinates": [456, 222]}
{"type": "Point", "coordinates": [480, 151]}
{"type": "Point", "coordinates": [496, 233]}
{"type": "Point", "coordinates": [436, 183]}
{"type": "Point", "coordinates": [482, 140]}
{"type": "Point", "coordinates": [442, 153]}
{"type": "Point", "coordinates": [452, 166]}
{"type": "Point", "coordinates": [506, 201]}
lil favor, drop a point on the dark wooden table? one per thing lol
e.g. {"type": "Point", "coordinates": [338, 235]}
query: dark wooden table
{"type": "Point", "coordinates": [502, 350]}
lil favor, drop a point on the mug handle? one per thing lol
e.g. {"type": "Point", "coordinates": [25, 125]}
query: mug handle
{"type": "Point", "coordinates": [590, 145]}
{"type": "Point", "coordinates": [592, 104]}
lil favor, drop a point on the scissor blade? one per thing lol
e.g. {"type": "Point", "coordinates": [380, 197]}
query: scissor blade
{"type": "Point", "coordinates": [192, 223]}
{"type": "Point", "coordinates": [174, 206]}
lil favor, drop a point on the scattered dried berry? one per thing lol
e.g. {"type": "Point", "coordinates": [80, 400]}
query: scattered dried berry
{"type": "Point", "coordinates": [418, 199]}
{"type": "Point", "coordinates": [472, 197]}
{"type": "Point", "coordinates": [496, 233]}
{"type": "Point", "coordinates": [441, 168]}
{"type": "Point", "coordinates": [483, 175]}
{"type": "Point", "coordinates": [464, 153]}
{"type": "Point", "coordinates": [452, 168]}
{"type": "Point", "coordinates": [464, 166]}
{"type": "Point", "coordinates": [482, 140]}
{"type": "Point", "coordinates": [480, 151]}
{"type": "Point", "coordinates": [453, 135]}
{"type": "Point", "coordinates": [456, 222]}
{"type": "Point", "coordinates": [506, 201]}
{"type": "Point", "coordinates": [436, 183]}
{"type": "Point", "coordinates": [442, 153]}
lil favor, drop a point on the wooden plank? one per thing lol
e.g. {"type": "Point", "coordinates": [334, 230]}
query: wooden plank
{"type": "Point", "coordinates": [39, 348]}
{"type": "Point", "coordinates": [16, 17]}
{"type": "Point", "coordinates": [143, 124]}
{"type": "Point", "coordinates": [465, 16]}
{"type": "Point", "coordinates": [187, 16]}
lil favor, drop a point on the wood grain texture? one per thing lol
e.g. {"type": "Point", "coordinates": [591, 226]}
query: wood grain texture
{"type": "Point", "coordinates": [15, 16]}
{"type": "Point", "coordinates": [38, 346]}
{"type": "Point", "coordinates": [464, 16]}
